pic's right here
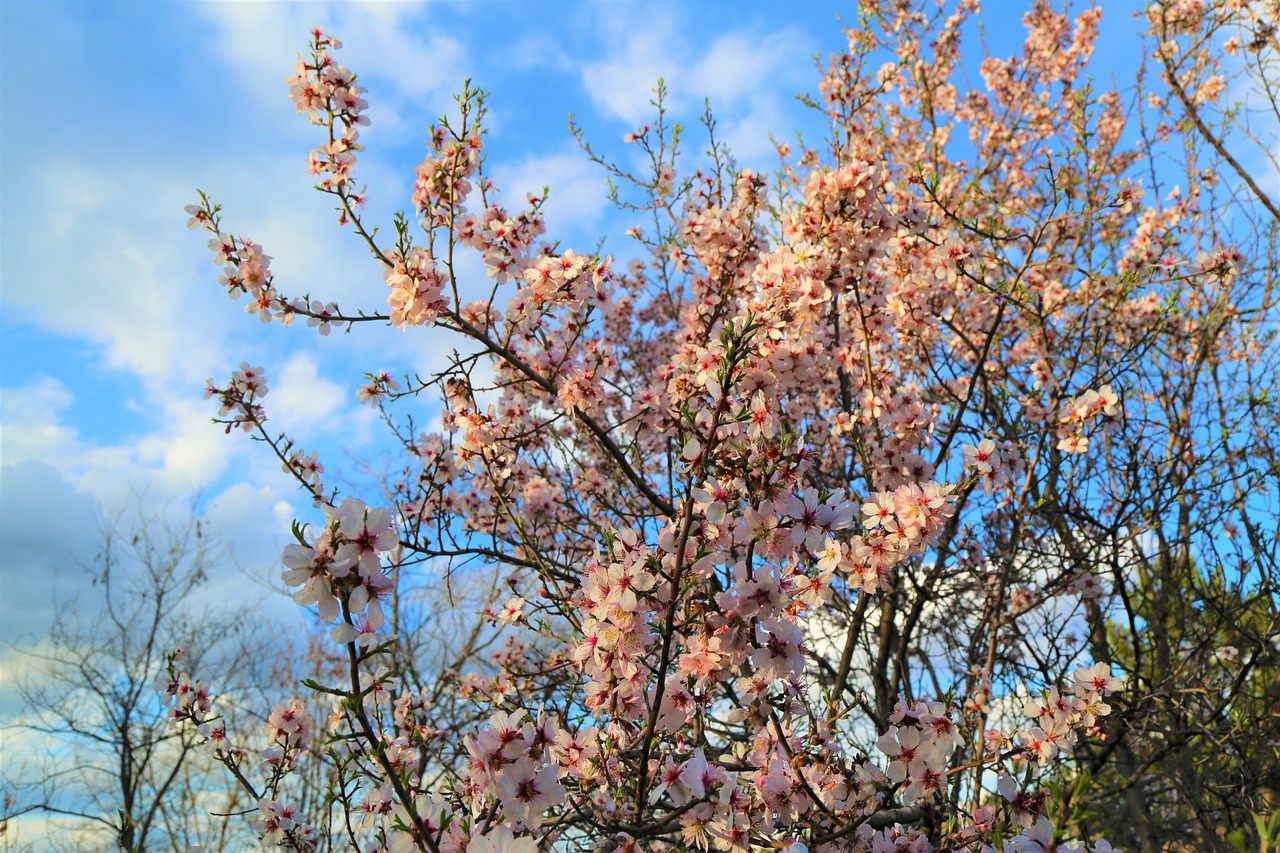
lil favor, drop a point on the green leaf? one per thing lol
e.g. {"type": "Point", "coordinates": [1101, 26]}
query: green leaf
{"type": "Point", "coordinates": [1260, 823]}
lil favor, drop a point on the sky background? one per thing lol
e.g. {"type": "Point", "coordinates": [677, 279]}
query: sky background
{"type": "Point", "coordinates": [110, 316]}
{"type": "Point", "coordinates": [111, 320]}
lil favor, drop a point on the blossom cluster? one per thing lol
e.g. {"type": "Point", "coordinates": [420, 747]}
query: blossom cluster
{"type": "Point", "coordinates": [919, 751]}
{"type": "Point", "coordinates": [239, 398]}
{"type": "Point", "coordinates": [417, 289]}
{"type": "Point", "coordinates": [328, 94]}
{"type": "Point", "coordinates": [1057, 718]}
{"type": "Point", "coordinates": [278, 824]}
{"type": "Point", "coordinates": [515, 761]}
{"type": "Point", "coordinates": [1102, 404]}
{"type": "Point", "coordinates": [995, 468]}
{"type": "Point", "coordinates": [751, 588]}
{"type": "Point", "coordinates": [339, 570]}
{"type": "Point", "coordinates": [246, 271]}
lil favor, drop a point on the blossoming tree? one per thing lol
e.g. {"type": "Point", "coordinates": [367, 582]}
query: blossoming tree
{"type": "Point", "coordinates": [848, 515]}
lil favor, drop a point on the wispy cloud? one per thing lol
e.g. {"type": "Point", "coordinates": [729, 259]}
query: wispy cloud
{"type": "Point", "coordinates": [745, 75]}
{"type": "Point", "coordinates": [579, 191]}
{"type": "Point", "coordinates": [406, 62]}
{"type": "Point", "coordinates": [100, 262]}
{"type": "Point", "coordinates": [639, 53]}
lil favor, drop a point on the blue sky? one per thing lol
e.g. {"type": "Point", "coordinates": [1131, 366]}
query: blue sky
{"type": "Point", "coordinates": [110, 315]}
{"type": "Point", "coordinates": [112, 320]}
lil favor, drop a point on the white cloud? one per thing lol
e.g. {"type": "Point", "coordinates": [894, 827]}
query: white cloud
{"type": "Point", "coordinates": [302, 399]}
{"type": "Point", "coordinates": [252, 521]}
{"type": "Point", "coordinates": [189, 450]}
{"type": "Point", "coordinates": [742, 65]}
{"type": "Point", "coordinates": [579, 192]}
{"type": "Point", "coordinates": [100, 260]}
{"type": "Point", "coordinates": [748, 137]}
{"type": "Point", "coordinates": [740, 68]}
{"type": "Point", "coordinates": [406, 65]}
{"type": "Point", "coordinates": [622, 82]}
{"type": "Point", "coordinates": [184, 451]}
{"type": "Point", "coordinates": [141, 287]}
{"type": "Point", "coordinates": [29, 420]}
